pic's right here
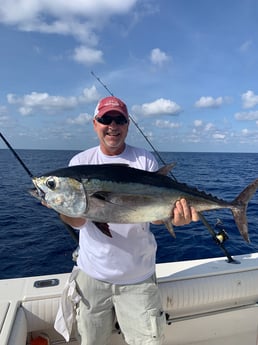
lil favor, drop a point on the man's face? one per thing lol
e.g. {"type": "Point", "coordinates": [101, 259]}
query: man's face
{"type": "Point", "coordinates": [110, 133]}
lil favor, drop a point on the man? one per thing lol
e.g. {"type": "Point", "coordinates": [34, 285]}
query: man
{"type": "Point", "coordinates": [117, 275]}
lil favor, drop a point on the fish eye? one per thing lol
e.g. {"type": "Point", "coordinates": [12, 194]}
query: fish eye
{"type": "Point", "coordinates": [51, 183]}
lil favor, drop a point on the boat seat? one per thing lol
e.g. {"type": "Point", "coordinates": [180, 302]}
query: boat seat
{"type": "Point", "coordinates": [34, 315]}
{"type": "Point", "coordinates": [40, 314]}
{"type": "Point", "coordinates": [18, 335]}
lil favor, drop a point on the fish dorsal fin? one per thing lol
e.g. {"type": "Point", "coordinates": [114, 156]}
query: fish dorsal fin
{"type": "Point", "coordinates": [166, 169]}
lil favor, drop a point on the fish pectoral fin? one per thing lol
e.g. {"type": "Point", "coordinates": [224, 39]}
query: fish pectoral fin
{"type": "Point", "coordinates": [100, 195]}
{"type": "Point", "coordinates": [104, 228]}
{"type": "Point", "coordinates": [106, 196]}
{"type": "Point", "coordinates": [166, 169]}
{"type": "Point", "coordinates": [169, 226]}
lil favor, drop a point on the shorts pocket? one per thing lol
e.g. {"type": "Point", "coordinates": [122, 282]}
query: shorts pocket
{"type": "Point", "coordinates": [157, 321]}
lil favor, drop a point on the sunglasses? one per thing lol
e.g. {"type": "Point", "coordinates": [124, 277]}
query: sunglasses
{"type": "Point", "coordinates": [107, 119]}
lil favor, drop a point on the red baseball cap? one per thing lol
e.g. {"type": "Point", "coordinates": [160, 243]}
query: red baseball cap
{"type": "Point", "coordinates": [111, 103]}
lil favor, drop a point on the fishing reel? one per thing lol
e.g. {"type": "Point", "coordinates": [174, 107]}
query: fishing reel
{"type": "Point", "coordinates": [221, 236]}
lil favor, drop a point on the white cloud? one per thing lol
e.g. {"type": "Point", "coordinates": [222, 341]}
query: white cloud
{"type": "Point", "coordinates": [81, 19]}
{"type": "Point", "coordinates": [249, 99]}
{"type": "Point", "coordinates": [22, 11]}
{"type": "Point", "coordinates": [247, 116]}
{"type": "Point", "coordinates": [25, 110]}
{"type": "Point", "coordinates": [89, 95]}
{"type": "Point", "coordinates": [158, 57]}
{"type": "Point", "coordinates": [209, 126]}
{"type": "Point", "coordinates": [159, 107]}
{"type": "Point", "coordinates": [207, 132]}
{"type": "Point", "coordinates": [218, 136]}
{"type": "Point", "coordinates": [209, 102]}
{"type": "Point", "coordinates": [83, 32]}
{"type": "Point", "coordinates": [245, 131]}
{"type": "Point", "coordinates": [87, 56]}
{"type": "Point", "coordinates": [43, 101]}
{"type": "Point", "coordinates": [81, 119]}
{"type": "Point", "coordinates": [167, 124]}
{"type": "Point", "coordinates": [198, 123]}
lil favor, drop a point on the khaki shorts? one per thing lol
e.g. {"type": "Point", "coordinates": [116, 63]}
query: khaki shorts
{"type": "Point", "coordinates": [137, 308]}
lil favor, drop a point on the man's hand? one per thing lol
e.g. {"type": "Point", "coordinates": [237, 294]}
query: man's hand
{"type": "Point", "coordinates": [184, 214]}
{"type": "Point", "coordinates": [73, 222]}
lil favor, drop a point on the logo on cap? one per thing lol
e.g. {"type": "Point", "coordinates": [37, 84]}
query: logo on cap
{"type": "Point", "coordinates": [111, 104]}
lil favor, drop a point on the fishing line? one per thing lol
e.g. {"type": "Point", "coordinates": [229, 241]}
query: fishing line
{"type": "Point", "coordinates": [136, 125]}
{"type": "Point", "coordinates": [71, 230]}
{"type": "Point", "coordinates": [16, 156]}
{"type": "Point", "coordinates": [219, 239]}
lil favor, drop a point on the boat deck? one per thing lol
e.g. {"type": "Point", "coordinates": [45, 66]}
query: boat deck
{"type": "Point", "coordinates": [208, 301]}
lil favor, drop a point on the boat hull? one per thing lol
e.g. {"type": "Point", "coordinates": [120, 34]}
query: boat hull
{"type": "Point", "coordinates": [208, 302]}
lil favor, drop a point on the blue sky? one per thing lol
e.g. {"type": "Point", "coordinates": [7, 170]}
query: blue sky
{"type": "Point", "coordinates": [188, 71]}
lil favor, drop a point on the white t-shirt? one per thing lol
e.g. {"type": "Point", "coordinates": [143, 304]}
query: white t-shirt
{"type": "Point", "coordinates": [129, 256]}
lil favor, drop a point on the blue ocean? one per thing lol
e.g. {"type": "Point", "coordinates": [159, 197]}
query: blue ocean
{"type": "Point", "coordinates": [33, 241]}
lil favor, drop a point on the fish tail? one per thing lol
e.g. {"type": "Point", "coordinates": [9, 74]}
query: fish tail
{"type": "Point", "coordinates": [240, 206]}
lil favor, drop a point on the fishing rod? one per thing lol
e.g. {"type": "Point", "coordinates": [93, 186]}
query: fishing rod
{"type": "Point", "coordinates": [16, 156]}
{"type": "Point", "coordinates": [71, 231]}
{"type": "Point", "coordinates": [219, 237]}
{"type": "Point", "coordinates": [136, 125]}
